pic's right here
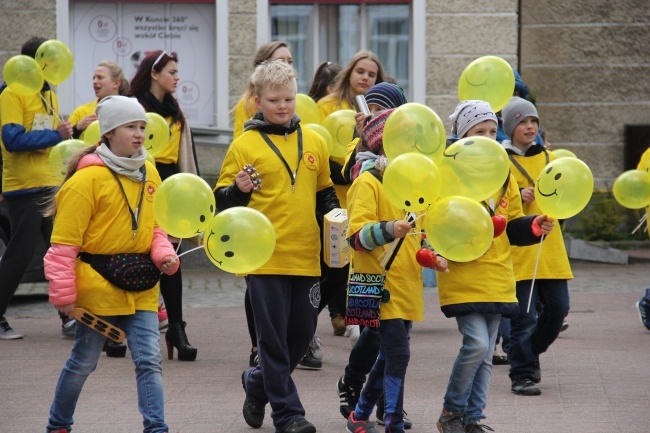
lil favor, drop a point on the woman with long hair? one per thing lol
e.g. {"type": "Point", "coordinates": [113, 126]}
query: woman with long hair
{"type": "Point", "coordinates": [153, 85]}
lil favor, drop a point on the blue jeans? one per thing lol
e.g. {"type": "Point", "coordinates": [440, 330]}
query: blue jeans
{"type": "Point", "coordinates": [468, 385]}
{"type": "Point", "coordinates": [143, 339]}
{"type": "Point", "coordinates": [531, 334]}
{"type": "Point", "coordinates": [387, 375]}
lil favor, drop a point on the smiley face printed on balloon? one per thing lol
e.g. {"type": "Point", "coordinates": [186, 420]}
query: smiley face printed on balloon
{"type": "Point", "coordinates": [184, 205]}
{"type": "Point", "coordinates": [474, 167]}
{"type": "Point", "coordinates": [412, 182]}
{"type": "Point", "coordinates": [415, 128]}
{"type": "Point", "coordinates": [156, 134]}
{"type": "Point", "coordinates": [239, 240]}
{"type": "Point", "coordinates": [563, 188]}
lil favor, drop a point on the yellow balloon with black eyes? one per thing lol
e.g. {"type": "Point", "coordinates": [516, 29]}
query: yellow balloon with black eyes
{"type": "Point", "coordinates": [412, 182]}
{"type": "Point", "coordinates": [563, 187]}
{"type": "Point", "coordinates": [475, 167]}
{"type": "Point", "coordinates": [184, 205]}
{"type": "Point", "coordinates": [239, 240]}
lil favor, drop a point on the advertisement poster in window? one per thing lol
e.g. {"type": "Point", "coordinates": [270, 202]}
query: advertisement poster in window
{"type": "Point", "coordinates": [126, 32]}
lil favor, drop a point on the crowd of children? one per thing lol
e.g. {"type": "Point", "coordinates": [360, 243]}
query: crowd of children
{"type": "Point", "coordinates": [106, 183]}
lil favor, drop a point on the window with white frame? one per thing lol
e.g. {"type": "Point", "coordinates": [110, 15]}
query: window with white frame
{"type": "Point", "coordinates": [328, 31]}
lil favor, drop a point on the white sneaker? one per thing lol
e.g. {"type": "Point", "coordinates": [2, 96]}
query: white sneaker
{"type": "Point", "coordinates": [6, 333]}
{"type": "Point", "coordinates": [352, 331]}
{"type": "Point", "coordinates": [317, 347]}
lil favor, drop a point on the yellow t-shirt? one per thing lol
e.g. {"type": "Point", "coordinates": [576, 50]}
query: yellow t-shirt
{"type": "Point", "coordinates": [26, 170]}
{"type": "Point", "coordinates": [292, 213]}
{"type": "Point", "coordinates": [643, 165]}
{"type": "Point", "coordinates": [490, 278]}
{"type": "Point", "coordinates": [368, 204]}
{"type": "Point", "coordinates": [81, 112]}
{"type": "Point", "coordinates": [553, 261]}
{"type": "Point", "coordinates": [242, 114]}
{"type": "Point", "coordinates": [327, 106]}
{"type": "Point", "coordinates": [169, 154]}
{"type": "Point", "coordinates": [92, 214]}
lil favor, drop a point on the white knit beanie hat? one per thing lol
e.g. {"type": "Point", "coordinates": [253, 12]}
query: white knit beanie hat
{"type": "Point", "coordinates": [468, 114]}
{"type": "Point", "coordinates": [116, 110]}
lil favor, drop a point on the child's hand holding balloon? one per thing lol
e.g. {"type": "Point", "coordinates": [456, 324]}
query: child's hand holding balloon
{"type": "Point", "coordinates": [544, 223]}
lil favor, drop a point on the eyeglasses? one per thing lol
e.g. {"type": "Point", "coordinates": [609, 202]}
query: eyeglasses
{"type": "Point", "coordinates": [159, 59]}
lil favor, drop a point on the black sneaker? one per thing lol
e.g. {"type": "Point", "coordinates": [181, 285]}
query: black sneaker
{"type": "Point", "coordinates": [253, 415]}
{"type": "Point", "coordinates": [302, 426]}
{"type": "Point", "coordinates": [477, 428]}
{"type": "Point", "coordinates": [380, 415]}
{"type": "Point", "coordinates": [6, 331]}
{"type": "Point", "coordinates": [309, 361]}
{"type": "Point", "coordinates": [254, 359]}
{"type": "Point", "coordinates": [525, 387]}
{"type": "Point", "coordinates": [450, 422]}
{"type": "Point", "coordinates": [348, 397]}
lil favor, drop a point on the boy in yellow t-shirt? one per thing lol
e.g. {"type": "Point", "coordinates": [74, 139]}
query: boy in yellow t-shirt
{"type": "Point", "coordinates": [533, 332]}
{"type": "Point", "coordinates": [292, 164]}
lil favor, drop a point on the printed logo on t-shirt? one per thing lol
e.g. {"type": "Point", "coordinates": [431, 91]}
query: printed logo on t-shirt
{"type": "Point", "coordinates": [310, 160]}
{"type": "Point", "coordinates": [150, 190]}
{"type": "Point", "coordinates": [503, 203]}
{"type": "Point", "coordinates": [314, 295]}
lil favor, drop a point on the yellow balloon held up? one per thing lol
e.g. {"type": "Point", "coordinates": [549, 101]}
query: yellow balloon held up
{"type": "Point", "coordinates": [474, 167]}
{"type": "Point", "coordinates": [239, 240]}
{"type": "Point", "coordinates": [23, 75]}
{"type": "Point", "coordinates": [563, 153]}
{"type": "Point", "coordinates": [60, 155]}
{"type": "Point", "coordinates": [184, 205]}
{"type": "Point", "coordinates": [489, 79]}
{"type": "Point", "coordinates": [459, 229]}
{"type": "Point", "coordinates": [412, 182]}
{"type": "Point", "coordinates": [55, 60]}
{"type": "Point", "coordinates": [323, 132]}
{"type": "Point", "coordinates": [92, 134]}
{"type": "Point", "coordinates": [156, 134]}
{"type": "Point", "coordinates": [414, 127]}
{"type": "Point", "coordinates": [341, 125]}
{"type": "Point", "coordinates": [563, 188]}
{"type": "Point", "coordinates": [632, 189]}
{"type": "Point", "coordinates": [307, 109]}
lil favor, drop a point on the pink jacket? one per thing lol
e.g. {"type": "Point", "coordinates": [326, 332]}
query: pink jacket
{"type": "Point", "coordinates": [59, 261]}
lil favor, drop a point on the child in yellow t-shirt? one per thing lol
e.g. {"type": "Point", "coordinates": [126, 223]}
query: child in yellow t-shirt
{"type": "Point", "coordinates": [104, 207]}
{"type": "Point", "coordinates": [478, 304]}
{"type": "Point", "coordinates": [532, 332]}
{"type": "Point", "coordinates": [292, 164]}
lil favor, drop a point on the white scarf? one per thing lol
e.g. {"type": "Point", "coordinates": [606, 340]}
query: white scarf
{"type": "Point", "coordinates": [129, 167]}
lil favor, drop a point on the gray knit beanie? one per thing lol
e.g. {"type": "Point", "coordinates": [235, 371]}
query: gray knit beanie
{"type": "Point", "coordinates": [116, 110]}
{"type": "Point", "coordinates": [515, 112]}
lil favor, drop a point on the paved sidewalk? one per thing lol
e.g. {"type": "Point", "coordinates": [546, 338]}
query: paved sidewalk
{"type": "Point", "coordinates": [595, 378]}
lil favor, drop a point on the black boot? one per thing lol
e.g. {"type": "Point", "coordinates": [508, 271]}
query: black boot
{"type": "Point", "coordinates": [113, 349]}
{"type": "Point", "coordinates": [176, 337]}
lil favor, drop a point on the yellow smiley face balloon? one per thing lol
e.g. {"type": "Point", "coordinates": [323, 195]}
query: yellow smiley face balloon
{"type": "Point", "coordinates": [156, 134]}
{"type": "Point", "coordinates": [563, 188]}
{"type": "Point", "coordinates": [92, 134]}
{"type": "Point", "coordinates": [414, 128]}
{"type": "Point", "coordinates": [23, 75]}
{"type": "Point", "coordinates": [489, 79]}
{"type": "Point", "coordinates": [632, 189]}
{"type": "Point", "coordinates": [239, 240]}
{"type": "Point", "coordinates": [340, 124]}
{"type": "Point", "coordinates": [307, 109]}
{"type": "Point", "coordinates": [60, 155]}
{"type": "Point", "coordinates": [563, 153]}
{"type": "Point", "coordinates": [474, 167]}
{"type": "Point", "coordinates": [459, 229]}
{"type": "Point", "coordinates": [55, 60]}
{"type": "Point", "coordinates": [183, 205]}
{"type": "Point", "coordinates": [412, 182]}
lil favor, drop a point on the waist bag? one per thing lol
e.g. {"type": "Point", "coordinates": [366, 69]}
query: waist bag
{"type": "Point", "coordinates": [133, 272]}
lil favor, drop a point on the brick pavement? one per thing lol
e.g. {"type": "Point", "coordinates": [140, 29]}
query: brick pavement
{"type": "Point", "coordinates": [593, 377]}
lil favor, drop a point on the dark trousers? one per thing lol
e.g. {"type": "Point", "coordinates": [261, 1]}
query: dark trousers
{"type": "Point", "coordinates": [285, 310]}
{"type": "Point", "coordinates": [27, 222]}
{"type": "Point", "coordinates": [333, 287]}
{"type": "Point", "coordinates": [388, 374]}
{"type": "Point", "coordinates": [362, 357]}
{"type": "Point", "coordinates": [533, 332]}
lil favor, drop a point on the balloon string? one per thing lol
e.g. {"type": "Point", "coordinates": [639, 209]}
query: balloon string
{"type": "Point", "coordinates": [643, 219]}
{"type": "Point", "coordinates": [532, 284]}
{"type": "Point", "coordinates": [189, 251]}
{"type": "Point", "coordinates": [52, 108]}
{"type": "Point", "coordinates": [179, 246]}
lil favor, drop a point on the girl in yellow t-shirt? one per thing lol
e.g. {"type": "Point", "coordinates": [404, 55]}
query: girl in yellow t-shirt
{"type": "Point", "coordinates": [153, 85]}
{"type": "Point", "coordinates": [92, 219]}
